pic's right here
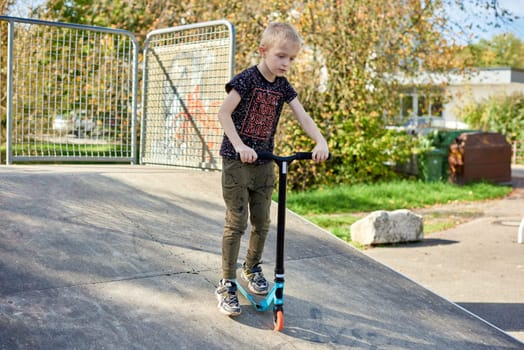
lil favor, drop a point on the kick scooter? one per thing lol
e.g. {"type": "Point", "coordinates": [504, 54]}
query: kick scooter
{"type": "Point", "coordinates": [275, 297]}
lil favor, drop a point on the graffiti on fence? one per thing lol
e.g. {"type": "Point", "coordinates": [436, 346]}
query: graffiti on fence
{"type": "Point", "coordinates": [190, 111]}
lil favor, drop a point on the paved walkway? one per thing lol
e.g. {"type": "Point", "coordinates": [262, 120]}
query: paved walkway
{"type": "Point", "coordinates": [127, 257]}
{"type": "Point", "coordinates": [478, 265]}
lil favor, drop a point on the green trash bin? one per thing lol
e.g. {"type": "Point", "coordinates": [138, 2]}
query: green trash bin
{"type": "Point", "coordinates": [430, 165]}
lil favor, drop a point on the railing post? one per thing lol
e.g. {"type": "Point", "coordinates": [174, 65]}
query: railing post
{"type": "Point", "coordinates": [9, 102]}
{"type": "Point", "coordinates": [514, 152]}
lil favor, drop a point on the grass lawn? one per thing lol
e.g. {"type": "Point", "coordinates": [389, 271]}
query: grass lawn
{"type": "Point", "coordinates": [82, 151]}
{"type": "Point", "coordinates": [336, 208]}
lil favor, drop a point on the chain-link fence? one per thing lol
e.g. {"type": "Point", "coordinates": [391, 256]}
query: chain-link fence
{"type": "Point", "coordinates": [71, 92]}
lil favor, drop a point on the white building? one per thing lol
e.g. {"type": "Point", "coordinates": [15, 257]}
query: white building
{"type": "Point", "coordinates": [463, 88]}
{"type": "Point", "coordinates": [482, 84]}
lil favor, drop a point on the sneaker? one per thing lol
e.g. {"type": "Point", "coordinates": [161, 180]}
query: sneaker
{"type": "Point", "coordinates": [226, 294]}
{"type": "Point", "coordinates": [257, 283]}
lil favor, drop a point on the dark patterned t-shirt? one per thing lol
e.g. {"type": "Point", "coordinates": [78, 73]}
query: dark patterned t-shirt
{"type": "Point", "coordinates": [256, 116]}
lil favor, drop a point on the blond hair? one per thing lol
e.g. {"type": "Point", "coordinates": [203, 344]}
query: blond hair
{"type": "Point", "coordinates": [278, 32]}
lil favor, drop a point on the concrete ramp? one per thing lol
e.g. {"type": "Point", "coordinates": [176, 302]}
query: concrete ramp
{"type": "Point", "coordinates": [127, 257]}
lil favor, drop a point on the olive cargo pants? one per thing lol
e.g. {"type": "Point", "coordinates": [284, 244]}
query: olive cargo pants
{"type": "Point", "coordinates": [247, 190]}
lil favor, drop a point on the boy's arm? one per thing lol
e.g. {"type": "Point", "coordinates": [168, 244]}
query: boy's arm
{"type": "Point", "coordinates": [321, 150]}
{"type": "Point", "coordinates": [247, 154]}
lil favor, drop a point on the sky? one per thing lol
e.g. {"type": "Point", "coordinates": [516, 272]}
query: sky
{"type": "Point", "coordinates": [517, 8]}
{"type": "Point", "coordinates": [486, 25]}
{"type": "Point", "coordinates": [471, 15]}
{"type": "Point", "coordinates": [20, 8]}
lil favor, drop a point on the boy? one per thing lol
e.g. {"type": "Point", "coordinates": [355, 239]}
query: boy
{"type": "Point", "coordinates": [249, 116]}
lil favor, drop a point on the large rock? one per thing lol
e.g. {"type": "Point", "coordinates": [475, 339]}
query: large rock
{"type": "Point", "coordinates": [382, 226]}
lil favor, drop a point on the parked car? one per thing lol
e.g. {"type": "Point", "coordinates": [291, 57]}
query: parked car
{"type": "Point", "coordinates": [62, 124]}
{"type": "Point", "coordinates": [79, 123]}
{"type": "Point", "coordinates": [415, 124]}
{"type": "Point", "coordinates": [109, 123]}
{"type": "Point", "coordinates": [83, 123]}
{"type": "Point", "coordinates": [425, 124]}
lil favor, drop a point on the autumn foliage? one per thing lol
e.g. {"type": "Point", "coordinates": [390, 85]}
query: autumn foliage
{"type": "Point", "coordinates": [344, 75]}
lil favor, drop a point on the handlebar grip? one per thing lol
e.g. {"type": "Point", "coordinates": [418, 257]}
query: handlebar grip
{"type": "Point", "coordinates": [265, 155]}
{"type": "Point", "coordinates": [303, 155]}
{"type": "Point", "coordinates": [261, 155]}
{"type": "Point", "coordinates": [297, 155]}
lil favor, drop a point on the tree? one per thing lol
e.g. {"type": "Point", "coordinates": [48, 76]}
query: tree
{"type": "Point", "coordinates": [4, 6]}
{"type": "Point", "coordinates": [503, 114]}
{"type": "Point", "coordinates": [352, 50]}
{"type": "Point", "coordinates": [504, 50]}
{"type": "Point", "coordinates": [363, 44]}
{"type": "Point", "coordinates": [138, 17]}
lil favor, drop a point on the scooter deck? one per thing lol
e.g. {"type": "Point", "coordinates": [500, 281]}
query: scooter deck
{"type": "Point", "coordinates": [260, 302]}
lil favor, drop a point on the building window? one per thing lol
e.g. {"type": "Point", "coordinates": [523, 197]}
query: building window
{"type": "Point", "coordinates": [420, 104]}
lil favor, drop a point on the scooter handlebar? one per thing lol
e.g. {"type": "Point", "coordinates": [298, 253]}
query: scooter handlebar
{"type": "Point", "coordinates": [296, 156]}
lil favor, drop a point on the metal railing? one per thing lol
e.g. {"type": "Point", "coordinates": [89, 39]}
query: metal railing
{"type": "Point", "coordinates": [71, 92]}
{"type": "Point", "coordinates": [185, 71]}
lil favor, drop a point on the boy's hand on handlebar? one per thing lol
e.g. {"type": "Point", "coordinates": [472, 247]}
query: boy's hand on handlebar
{"type": "Point", "coordinates": [320, 153]}
{"type": "Point", "coordinates": [247, 154]}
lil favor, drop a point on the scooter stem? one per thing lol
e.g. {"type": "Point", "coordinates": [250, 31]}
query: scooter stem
{"type": "Point", "coordinates": [281, 216]}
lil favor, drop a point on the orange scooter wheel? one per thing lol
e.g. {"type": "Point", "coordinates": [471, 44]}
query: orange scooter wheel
{"type": "Point", "coordinates": [279, 320]}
